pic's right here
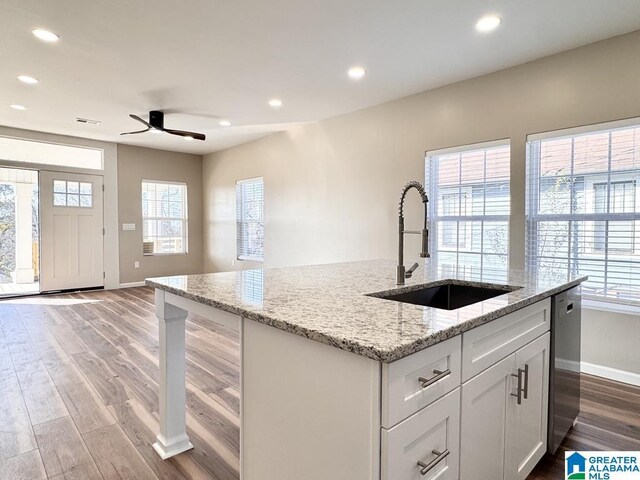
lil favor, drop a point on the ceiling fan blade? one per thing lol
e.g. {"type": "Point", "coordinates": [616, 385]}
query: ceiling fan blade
{"type": "Point", "coordinates": [135, 117]}
{"type": "Point", "coordinates": [138, 131]}
{"type": "Point", "coordinates": [182, 133]}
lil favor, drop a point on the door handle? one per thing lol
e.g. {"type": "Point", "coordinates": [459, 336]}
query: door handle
{"type": "Point", "coordinates": [526, 381]}
{"type": "Point", "coordinates": [519, 389]}
{"type": "Point", "coordinates": [425, 467]}
{"type": "Point", "coordinates": [439, 375]}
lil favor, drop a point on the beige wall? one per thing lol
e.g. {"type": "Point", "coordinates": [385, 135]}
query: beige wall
{"type": "Point", "coordinates": [615, 347]}
{"type": "Point", "coordinates": [331, 188]}
{"type": "Point", "coordinates": [134, 165]}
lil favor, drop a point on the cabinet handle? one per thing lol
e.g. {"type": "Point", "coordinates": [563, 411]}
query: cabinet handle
{"type": "Point", "coordinates": [439, 375]}
{"type": "Point", "coordinates": [519, 390]}
{"type": "Point", "coordinates": [526, 381]}
{"type": "Point", "coordinates": [425, 467]}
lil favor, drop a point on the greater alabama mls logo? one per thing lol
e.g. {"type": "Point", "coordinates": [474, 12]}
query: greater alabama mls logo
{"type": "Point", "coordinates": [602, 465]}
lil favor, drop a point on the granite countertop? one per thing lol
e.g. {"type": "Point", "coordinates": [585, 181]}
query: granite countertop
{"type": "Point", "coordinates": [330, 303]}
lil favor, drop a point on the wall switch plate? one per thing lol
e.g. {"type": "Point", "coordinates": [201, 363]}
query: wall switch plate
{"type": "Point", "coordinates": [136, 264]}
{"type": "Point", "coordinates": [128, 226]}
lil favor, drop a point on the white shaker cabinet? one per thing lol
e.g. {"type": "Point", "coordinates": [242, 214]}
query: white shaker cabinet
{"type": "Point", "coordinates": [504, 416]}
{"type": "Point", "coordinates": [485, 406]}
{"type": "Point", "coordinates": [527, 421]}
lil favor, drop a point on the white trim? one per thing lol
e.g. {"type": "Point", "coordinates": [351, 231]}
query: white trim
{"type": "Point", "coordinates": [132, 284]}
{"type": "Point", "coordinates": [472, 146]}
{"type": "Point", "coordinates": [167, 182]}
{"type": "Point", "coordinates": [610, 373]}
{"type": "Point", "coordinates": [243, 258]}
{"type": "Point", "coordinates": [585, 129]}
{"type": "Point", "coordinates": [250, 180]}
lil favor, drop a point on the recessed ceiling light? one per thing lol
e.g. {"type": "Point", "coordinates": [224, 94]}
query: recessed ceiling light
{"type": "Point", "coordinates": [488, 23]}
{"type": "Point", "coordinates": [275, 103]}
{"type": "Point", "coordinates": [27, 79]}
{"type": "Point", "coordinates": [188, 138]}
{"type": "Point", "coordinates": [45, 35]}
{"type": "Point", "coordinates": [18, 107]}
{"type": "Point", "coordinates": [356, 73]}
{"type": "Point", "coordinates": [225, 123]}
{"type": "Point", "coordinates": [155, 130]}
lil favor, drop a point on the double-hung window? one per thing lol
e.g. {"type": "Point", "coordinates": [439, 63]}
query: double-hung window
{"type": "Point", "coordinates": [164, 217]}
{"type": "Point", "coordinates": [469, 208]}
{"type": "Point", "coordinates": [250, 219]}
{"type": "Point", "coordinates": [583, 209]}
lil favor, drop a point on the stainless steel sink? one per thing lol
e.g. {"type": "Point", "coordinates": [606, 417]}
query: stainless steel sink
{"type": "Point", "coordinates": [447, 295]}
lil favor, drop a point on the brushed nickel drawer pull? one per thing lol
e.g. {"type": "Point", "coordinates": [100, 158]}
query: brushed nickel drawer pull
{"type": "Point", "coordinates": [425, 467]}
{"type": "Point", "coordinates": [439, 375]}
{"type": "Point", "coordinates": [519, 390]}
{"type": "Point", "coordinates": [526, 381]}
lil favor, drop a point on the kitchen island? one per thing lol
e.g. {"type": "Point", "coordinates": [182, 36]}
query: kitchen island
{"type": "Point", "coordinates": [337, 383]}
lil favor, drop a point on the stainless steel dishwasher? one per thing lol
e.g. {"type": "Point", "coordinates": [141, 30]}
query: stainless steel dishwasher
{"type": "Point", "coordinates": [564, 391]}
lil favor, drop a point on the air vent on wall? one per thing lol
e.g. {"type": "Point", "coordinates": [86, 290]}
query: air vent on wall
{"type": "Point", "coordinates": [87, 121]}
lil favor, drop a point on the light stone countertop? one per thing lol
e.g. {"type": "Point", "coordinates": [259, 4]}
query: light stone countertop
{"type": "Point", "coordinates": [329, 303]}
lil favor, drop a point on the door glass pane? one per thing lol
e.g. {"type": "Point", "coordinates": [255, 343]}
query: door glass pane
{"type": "Point", "coordinates": [59, 186]}
{"type": "Point", "coordinates": [73, 187]}
{"type": "Point", "coordinates": [85, 201]}
{"type": "Point", "coordinates": [59, 199]}
{"type": "Point", "coordinates": [85, 188]}
{"type": "Point", "coordinates": [73, 201]}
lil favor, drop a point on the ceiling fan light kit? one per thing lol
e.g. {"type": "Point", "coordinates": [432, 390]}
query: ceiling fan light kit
{"type": "Point", "coordinates": [156, 124]}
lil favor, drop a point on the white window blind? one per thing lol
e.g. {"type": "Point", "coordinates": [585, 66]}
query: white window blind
{"type": "Point", "coordinates": [469, 208]}
{"type": "Point", "coordinates": [250, 219]}
{"type": "Point", "coordinates": [164, 217]}
{"type": "Point", "coordinates": [583, 210]}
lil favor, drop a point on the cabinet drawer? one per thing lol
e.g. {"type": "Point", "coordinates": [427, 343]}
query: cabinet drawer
{"type": "Point", "coordinates": [488, 344]}
{"type": "Point", "coordinates": [403, 393]}
{"type": "Point", "coordinates": [424, 437]}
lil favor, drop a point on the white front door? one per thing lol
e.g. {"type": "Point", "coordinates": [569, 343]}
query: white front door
{"type": "Point", "coordinates": [71, 219]}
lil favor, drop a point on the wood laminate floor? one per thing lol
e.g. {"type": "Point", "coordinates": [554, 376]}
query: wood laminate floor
{"type": "Point", "coordinates": [609, 420]}
{"type": "Point", "coordinates": [79, 383]}
{"type": "Point", "coordinates": [79, 391]}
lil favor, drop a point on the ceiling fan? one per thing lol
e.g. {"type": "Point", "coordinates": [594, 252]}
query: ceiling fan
{"type": "Point", "coordinates": [156, 124]}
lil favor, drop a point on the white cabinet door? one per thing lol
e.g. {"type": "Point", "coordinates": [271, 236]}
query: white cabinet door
{"type": "Point", "coordinates": [483, 420]}
{"type": "Point", "coordinates": [71, 234]}
{"type": "Point", "coordinates": [430, 437]}
{"type": "Point", "coordinates": [527, 421]}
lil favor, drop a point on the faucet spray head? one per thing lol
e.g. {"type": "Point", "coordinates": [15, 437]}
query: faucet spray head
{"type": "Point", "coordinates": [425, 244]}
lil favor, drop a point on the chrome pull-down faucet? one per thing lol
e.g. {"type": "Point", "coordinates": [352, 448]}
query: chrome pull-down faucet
{"type": "Point", "coordinates": [401, 274]}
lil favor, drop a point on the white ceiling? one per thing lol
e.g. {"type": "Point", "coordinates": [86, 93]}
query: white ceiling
{"type": "Point", "coordinates": [204, 60]}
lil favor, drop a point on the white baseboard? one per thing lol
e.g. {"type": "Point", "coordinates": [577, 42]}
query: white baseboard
{"type": "Point", "coordinates": [610, 373]}
{"type": "Point", "coordinates": [132, 284]}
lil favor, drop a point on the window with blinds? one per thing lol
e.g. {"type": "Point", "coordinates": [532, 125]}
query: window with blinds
{"type": "Point", "coordinates": [164, 217]}
{"type": "Point", "coordinates": [469, 208]}
{"type": "Point", "coordinates": [250, 219]}
{"type": "Point", "coordinates": [583, 209]}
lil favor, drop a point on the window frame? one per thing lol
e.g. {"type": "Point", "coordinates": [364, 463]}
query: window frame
{"type": "Point", "coordinates": [184, 219]}
{"type": "Point", "coordinates": [464, 222]}
{"type": "Point", "coordinates": [241, 222]}
{"type": "Point", "coordinates": [66, 194]}
{"type": "Point", "coordinates": [608, 257]}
